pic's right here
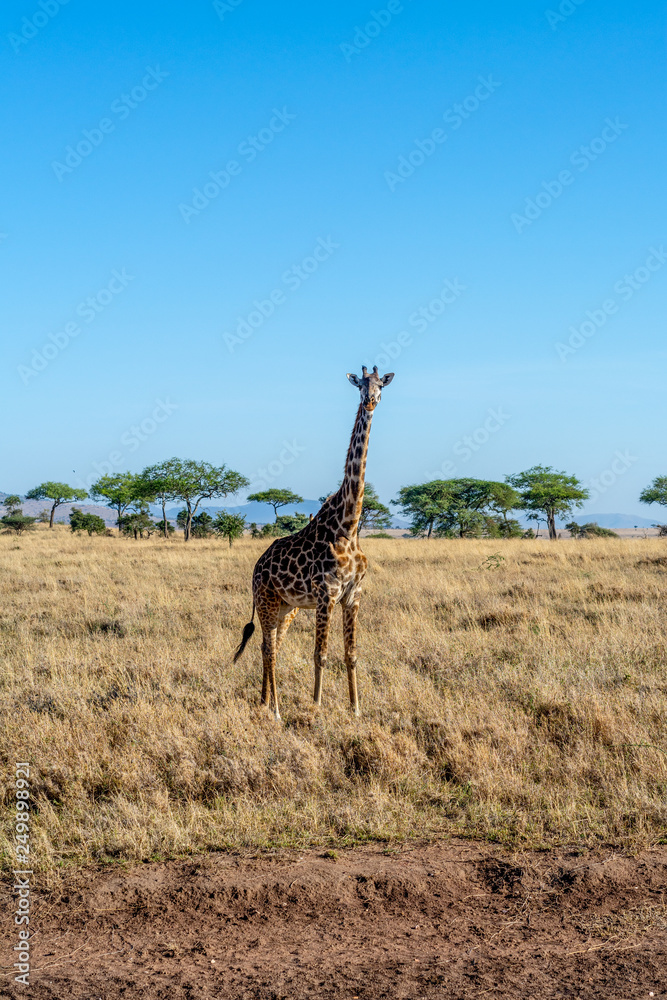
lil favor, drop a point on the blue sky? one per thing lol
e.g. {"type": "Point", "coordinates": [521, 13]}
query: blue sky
{"type": "Point", "coordinates": [213, 211]}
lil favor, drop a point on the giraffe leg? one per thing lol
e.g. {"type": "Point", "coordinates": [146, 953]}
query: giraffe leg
{"type": "Point", "coordinates": [322, 624]}
{"type": "Point", "coordinates": [268, 617]}
{"type": "Point", "coordinates": [269, 676]}
{"type": "Point", "coordinates": [286, 620]}
{"type": "Point", "coordinates": [350, 644]}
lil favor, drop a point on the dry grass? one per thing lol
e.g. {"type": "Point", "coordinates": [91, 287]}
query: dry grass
{"type": "Point", "coordinates": [521, 699]}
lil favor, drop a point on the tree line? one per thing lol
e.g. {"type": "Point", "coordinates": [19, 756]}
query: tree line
{"type": "Point", "coordinates": [463, 508]}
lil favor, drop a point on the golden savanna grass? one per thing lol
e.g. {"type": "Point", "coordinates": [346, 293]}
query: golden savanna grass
{"type": "Point", "coordinates": [513, 690]}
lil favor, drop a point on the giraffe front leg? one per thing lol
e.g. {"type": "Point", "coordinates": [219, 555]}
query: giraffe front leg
{"type": "Point", "coordinates": [322, 624]}
{"type": "Point", "coordinates": [350, 645]}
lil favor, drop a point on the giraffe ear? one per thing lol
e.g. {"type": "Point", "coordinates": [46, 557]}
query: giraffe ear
{"type": "Point", "coordinates": [354, 380]}
{"type": "Point", "coordinates": [386, 379]}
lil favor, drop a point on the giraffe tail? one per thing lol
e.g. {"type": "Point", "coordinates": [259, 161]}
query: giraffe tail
{"type": "Point", "coordinates": [247, 632]}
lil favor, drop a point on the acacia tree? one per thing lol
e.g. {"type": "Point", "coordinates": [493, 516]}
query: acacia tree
{"type": "Point", "coordinates": [59, 493]}
{"type": "Point", "coordinates": [463, 507]}
{"type": "Point", "coordinates": [475, 506]}
{"type": "Point", "coordinates": [656, 492]}
{"type": "Point", "coordinates": [123, 492]}
{"type": "Point", "coordinates": [196, 481]}
{"type": "Point", "coordinates": [374, 514]}
{"type": "Point", "coordinates": [230, 526]}
{"type": "Point", "coordinates": [276, 498]}
{"type": "Point", "coordinates": [161, 481]}
{"type": "Point", "coordinates": [545, 491]}
{"type": "Point", "coordinates": [136, 521]}
{"type": "Point", "coordinates": [424, 504]}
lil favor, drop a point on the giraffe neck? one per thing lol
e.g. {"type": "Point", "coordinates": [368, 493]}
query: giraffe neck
{"type": "Point", "coordinates": [352, 489]}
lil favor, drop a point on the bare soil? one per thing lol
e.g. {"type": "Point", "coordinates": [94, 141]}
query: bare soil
{"type": "Point", "coordinates": [447, 920]}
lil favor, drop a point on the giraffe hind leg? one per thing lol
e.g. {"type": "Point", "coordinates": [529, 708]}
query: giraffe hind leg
{"type": "Point", "coordinates": [269, 619]}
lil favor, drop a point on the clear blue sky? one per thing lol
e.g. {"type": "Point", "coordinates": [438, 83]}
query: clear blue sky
{"type": "Point", "coordinates": [306, 113]}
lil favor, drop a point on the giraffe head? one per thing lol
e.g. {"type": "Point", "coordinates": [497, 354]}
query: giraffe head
{"type": "Point", "coordinates": [370, 386]}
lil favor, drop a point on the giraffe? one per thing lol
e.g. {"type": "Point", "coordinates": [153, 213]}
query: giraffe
{"type": "Point", "coordinates": [320, 566]}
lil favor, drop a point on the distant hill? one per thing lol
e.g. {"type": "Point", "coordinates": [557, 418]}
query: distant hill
{"type": "Point", "coordinates": [261, 513]}
{"type": "Point", "coordinates": [614, 521]}
{"type": "Point", "coordinates": [33, 508]}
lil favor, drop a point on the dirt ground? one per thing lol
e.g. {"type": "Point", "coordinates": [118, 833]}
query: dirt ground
{"type": "Point", "coordinates": [448, 920]}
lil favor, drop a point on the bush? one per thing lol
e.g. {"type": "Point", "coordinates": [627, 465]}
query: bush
{"type": "Point", "coordinates": [589, 530]}
{"type": "Point", "coordinates": [171, 530]}
{"type": "Point", "coordinates": [91, 523]}
{"type": "Point", "coordinates": [285, 524]}
{"type": "Point", "coordinates": [230, 526]}
{"type": "Point", "coordinates": [202, 525]}
{"type": "Point", "coordinates": [15, 520]}
{"type": "Point", "coordinates": [18, 522]}
{"type": "Point", "coordinates": [137, 523]}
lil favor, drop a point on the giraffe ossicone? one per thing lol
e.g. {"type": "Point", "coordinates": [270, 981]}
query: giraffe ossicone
{"type": "Point", "coordinates": [320, 566]}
